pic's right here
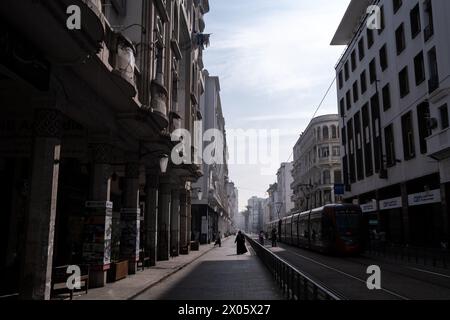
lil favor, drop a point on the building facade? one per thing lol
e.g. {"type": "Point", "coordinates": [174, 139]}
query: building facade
{"type": "Point", "coordinates": [317, 164]}
{"type": "Point", "coordinates": [86, 119]}
{"type": "Point", "coordinates": [255, 209]}
{"type": "Point", "coordinates": [393, 86]}
{"type": "Point", "coordinates": [233, 205]}
{"type": "Point", "coordinates": [284, 181]}
{"type": "Point", "coordinates": [211, 213]}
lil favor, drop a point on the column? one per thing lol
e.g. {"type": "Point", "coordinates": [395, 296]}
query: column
{"type": "Point", "coordinates": [175, 223]}
{"type": "Point", "coordinates": [151, 215]}
{"type": "Point", "coordinates": [130, 218]}
{"type": "Point", "coordinates": [405, 213]}
{"type": "Point", "coordinates": [445, 196]}
{"type": "Point", "coordinates": [36, 270]}
{"type": "Point", "coordinates": [98, 222]}
{"type": "Point", "coordinates": [189, 217]}
{"type": "Point", "coordinates": [165, 195]}
{"type": "Point", "coordinates": [184, 234]}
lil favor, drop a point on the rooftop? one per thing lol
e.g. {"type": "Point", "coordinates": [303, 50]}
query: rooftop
{"type": "Point", "coordinates": [350, 22]}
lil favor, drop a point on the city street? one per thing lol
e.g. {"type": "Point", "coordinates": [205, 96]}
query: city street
{"type": "Point", "coordinates": [218, 275]}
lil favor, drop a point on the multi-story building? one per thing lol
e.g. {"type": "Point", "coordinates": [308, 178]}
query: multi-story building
{"type": "Point", "coordinates": [211, 213]}
{"type": "Point", "coordinates": [255, 209]}
{"type": "Point", "coordinates": [317, 164]}
{"type": "Point", "coordinates": [274, 203]}
{"type": "Point", "coordinates": [393, 85]}
{"type": "Point", "coordinates": [284, 181]}
{"type": "Point", "coordinates": [233, 205]}
{"type": "Point", "coordinates": [88, 104]}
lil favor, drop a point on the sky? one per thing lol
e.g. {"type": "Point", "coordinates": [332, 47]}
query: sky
{"type": "Point", "coordinates": [275, 63]}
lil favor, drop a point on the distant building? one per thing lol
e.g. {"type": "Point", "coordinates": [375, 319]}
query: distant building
{"type": "Point", "coordinates": [256, 214]}
{"type": "Point", "coordinates": [284, 181]}
{"type": "Point", "coordinates": [317, 164]}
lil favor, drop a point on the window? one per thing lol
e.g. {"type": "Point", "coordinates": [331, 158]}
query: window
{"type": "Point", "coordinates": [383, 58]}
{"type": "Point", "coordinates": [341, 80]}
{"type": "Point", "coordinates": [372, 71]}
{"type": "Point", "coordinates": [419, 68]}
{"type": "Point", "coordinates": [380, 31]}
{"type": "Point", "coordinates": [386, 97]}
{"type": "Point", "coordinates": [423, 115]}
{"type": "Point", "coordinates": [336, 151]}
{"type": "Point", "coordinates": [355, 92]}
{"type": "Point", "coordinates": [326, 133]}
{"type": "Point", "coordinates": [334, 134]}
{"type": "Point", "coordinates": [361, 49]}
{"type": "Point", "coordinates": [325, 152]}
{"type": "Point", "coordinates": [397, 5]}
{"type": "Point", "coordinates": [404, 82]}
{"type": "Point", "coordinates": [353, 60]}
{"type": "Point", "coordinates": [326, 177]}
{"type": "Point", "coordinates": [443, 111]}
{"type": "Point", "coordinates": [369, 38]}
{"type": "Point", "coordinates": [346, 71]}
{"type": "Point", "coordinates": [434, 72]}
{"type": "Point", "coordinates": [337, 176]}
{"type": "Point", "coordinates": [363, 82]}
{"type": "Point", "coordinates": [349, 101]}
{"type": "Point", "coordinates": [342, 107]}
{"type": "Point", "coordinates": [415, 21]}
{"type": "Point", "coordinates": [409, 149]}
{"type": "Point", "coordinates": [429, 29]}
{"type": "Point", "coordinates": [400, 39]}
{"type": "Point", "coordinates": [390, 146]}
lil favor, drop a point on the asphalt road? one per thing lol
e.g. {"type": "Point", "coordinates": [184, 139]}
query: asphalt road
{"type": "Point", "coordinates": [347, 277]}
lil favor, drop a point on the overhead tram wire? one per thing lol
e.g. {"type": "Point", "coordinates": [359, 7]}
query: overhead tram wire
{"type": "Point", "coordinates": [318, 108]}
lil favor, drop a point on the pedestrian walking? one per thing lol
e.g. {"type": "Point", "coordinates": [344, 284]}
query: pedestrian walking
{"type": "Point", "coordinates": [274, 237]}
{"type": "Point", "coordinates": [218, 240]}
{"type": "Point", "coordinates": [261, 238]}
{"type": "Point", "coordinates": [240, 244]}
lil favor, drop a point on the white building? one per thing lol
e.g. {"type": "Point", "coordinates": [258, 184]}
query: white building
{"type": "Point", "coordinates": [256, 214]}
{"type": "Point", "coordinates": [317, 164]}
{"type": "Point", "coordinates": [393, 86]}
{"type": "Point", "coordinates": [284, 181]}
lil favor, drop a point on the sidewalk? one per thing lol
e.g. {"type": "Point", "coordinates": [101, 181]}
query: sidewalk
{"type": "Point", "coordinates": [219, 275]}
{"type": "Point", "coordinates": [143, 280]}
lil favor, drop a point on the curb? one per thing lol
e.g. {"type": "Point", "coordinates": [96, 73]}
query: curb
{"type": "Point", "coordinates": [170, 274]}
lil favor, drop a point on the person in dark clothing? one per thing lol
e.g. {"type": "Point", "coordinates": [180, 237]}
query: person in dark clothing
{"type": "Point", "coordinates": [274, 237]}
{"type": "Point", "coordinates": [218, 240]}
{"type": "Point", "coordinates": [240, 244]}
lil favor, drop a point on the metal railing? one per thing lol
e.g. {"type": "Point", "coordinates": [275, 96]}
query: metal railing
{"type": "Point", "coordinates": [439, 258]}
{"type": "Point", "coordinates": [294, 284]}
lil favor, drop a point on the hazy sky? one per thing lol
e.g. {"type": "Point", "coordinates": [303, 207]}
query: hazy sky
{"type": "Point", "coordinates": [275, 64]}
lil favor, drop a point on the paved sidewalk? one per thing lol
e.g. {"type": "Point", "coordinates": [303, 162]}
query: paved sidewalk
{"type": "Point", "coordinates": [219, 275]}
{"type": "Point", "coordinates": [143, 280]}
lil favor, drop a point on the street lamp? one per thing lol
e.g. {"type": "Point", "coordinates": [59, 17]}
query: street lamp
{"type": "Point", "coordinates": [163, 163]}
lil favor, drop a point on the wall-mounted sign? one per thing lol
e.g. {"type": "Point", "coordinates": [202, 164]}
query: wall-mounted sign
{"type": "Point", "coordinates": [369, 207]}
{"type": "Point", "coordinates": [393, 203]}
{"type": "Point", "coordinates": [433, 196]}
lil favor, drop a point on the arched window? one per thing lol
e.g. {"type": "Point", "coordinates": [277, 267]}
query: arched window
{"type": "Point", "coordinates": [326, 134]}
{"type": "Point", "coordinates": [334, 134]}
{"type": "Point", "coordinates": [326, 177]}
{"type": "Point", "coordinates": [318, 133]}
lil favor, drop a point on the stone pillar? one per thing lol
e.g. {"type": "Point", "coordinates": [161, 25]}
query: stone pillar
{"type": "Point", "coordinates": [445, 196]}
{"type": "Point", "coordinates": [35, 279]}
{"type": "Point", "coordinates": [175, 223]}
{"type": "Point", "coordinates": [151, 215]}
{"type": "Point", "coordinates": [130, 218]}
{"type": "Point", "coordinates": [405, 213]}
{"type": "Point", "coordinates": [189, 217]}
{"type": "Point", "coordinates": [184, 235]}
{"type": "Point", "coordinates": [164, 219]}
{"type": "Point", "coordinates": [98, 222]}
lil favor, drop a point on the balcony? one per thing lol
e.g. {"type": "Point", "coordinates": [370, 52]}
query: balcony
{"type": "Point", "coordinates": [123, 62]}
{"type": "Point", "coordinates": [439, 145]}
{"type": "Point", "coordinates": [45, 24]}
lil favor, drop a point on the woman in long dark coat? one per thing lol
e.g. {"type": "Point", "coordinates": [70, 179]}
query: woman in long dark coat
{"type": "Point", "coordinates": [240, 241]}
